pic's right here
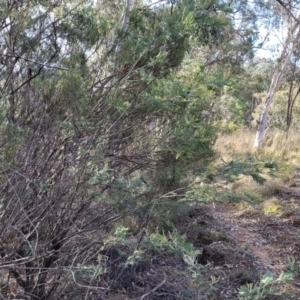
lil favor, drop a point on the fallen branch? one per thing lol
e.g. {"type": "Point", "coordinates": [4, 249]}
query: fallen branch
{"type": "Point", "coordinates": [157, 287]}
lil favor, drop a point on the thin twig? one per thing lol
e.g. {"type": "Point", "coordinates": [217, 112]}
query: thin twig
{"type": "Point", "coordinates": [156, 288]}
{"type": "Point", "coordinates": [46, 65]}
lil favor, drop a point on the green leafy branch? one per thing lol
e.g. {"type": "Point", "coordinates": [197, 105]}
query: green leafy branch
{"type": "Point", "coordinates": [250, 166]}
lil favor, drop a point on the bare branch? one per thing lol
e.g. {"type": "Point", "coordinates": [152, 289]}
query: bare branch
{"type": "Point", "coordinates": [154, 289]}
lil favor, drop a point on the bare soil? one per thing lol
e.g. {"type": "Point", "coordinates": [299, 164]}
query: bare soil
{"type": "Point", "coordinates": [270, 241]}
{"type": "Point", "coordinates": [237, 248]}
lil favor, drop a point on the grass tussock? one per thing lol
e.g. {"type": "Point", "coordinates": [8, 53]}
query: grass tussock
{"type": "Point", "coordinates": [272, 187]}
{"type": "Point", "coordinates": [272, 207]}
{"type": "Point", "coordinates": [258, 192]}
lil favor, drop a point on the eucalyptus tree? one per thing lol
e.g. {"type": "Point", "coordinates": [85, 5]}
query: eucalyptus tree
{"type": "Point", "coordinates": [286, 15]}
{"type": "Point", "coordinates": [293, 84]}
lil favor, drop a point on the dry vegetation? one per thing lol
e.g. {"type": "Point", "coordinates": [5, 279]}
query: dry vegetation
{"type": "Point", "coordinates": [282, 147]}
{"type": "Point", "coordinates": [241, 245]}
{"type": "Point", "coordinates": [270, 224]}
{"type": "Point", "coordinates": [278, 144]}
{"type": "Point", "coordinates": [235, 247]}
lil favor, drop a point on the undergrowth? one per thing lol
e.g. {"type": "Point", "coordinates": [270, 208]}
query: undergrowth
{"type": "Point", "coordinates": [179, 239]}
{"type": "Point", "coordinates": [269, 285]}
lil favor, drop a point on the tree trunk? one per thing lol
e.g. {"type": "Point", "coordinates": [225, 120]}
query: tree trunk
{"type": "Point", "coordinates": [290, 105]}
{"type": "Point", "coordinates": [128, 9]}
{"type": "Point", "coordinates": [290, 43]}
{"type": "Point", "coordinates": [125, 19]}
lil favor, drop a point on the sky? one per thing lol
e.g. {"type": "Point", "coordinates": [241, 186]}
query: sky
{"type": "Point", "coordinates": [273, 43]}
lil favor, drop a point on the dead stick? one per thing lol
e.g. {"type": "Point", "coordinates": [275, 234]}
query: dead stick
{"type": "Point", "coordinates": [157, 287]}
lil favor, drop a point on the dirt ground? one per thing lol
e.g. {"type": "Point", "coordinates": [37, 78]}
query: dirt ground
{"type": "Point", "coordinates": [271, 241]}
{"type": "Point", "coordinates": [238, 246]}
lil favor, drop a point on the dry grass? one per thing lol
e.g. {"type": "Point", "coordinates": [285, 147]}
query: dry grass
{"type": "Point", "coordinates": [273, 187]}
{"type": "Point", "coordinates": [278, 144]}
{"type": "Point", "coordinates": [283, 148]}
{"type": "Point", "coordinates": [239, 143]}
{"type": "Point", "coordinates": [272, 207]}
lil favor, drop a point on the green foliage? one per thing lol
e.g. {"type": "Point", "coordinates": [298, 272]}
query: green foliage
{"type": "Point", "coordinates": [207, 193]}
{"type": "Point", "coordinates": [184, 105]}
{"type": "Point", "coordinates": [204, 193]}
{"type": "Point", "coordinates": [13, 137]}
{"type": "Point", "coordinates": [214, 180]}
{"type": "Point", "coordinates": [122, 232]}
{"type": "Point", "coordinates": [80, 26]}
{"type": "Point", "coordinates": [173, 243]}
{"type": "Point", "coordinates": [136, 257]}
{"type": "Point", "coordinates": [128, 193]}
{"type": "Point", "coordinates": [293, 267]}
{"type": "Point", "coordinates": [249, 166]}
{"type": "Point", "coordinates": [86, 273]}
{"type": "Point", "coordinates": [151, 32]}
{"type": "Point", "coordinates": [268, 286]}
{"type": "Point", "coordinates": [227, 127]}
{"type": "Point", "coordinates": [195, 269]}
{"type": "Point", "coordinates": [99, 121]}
